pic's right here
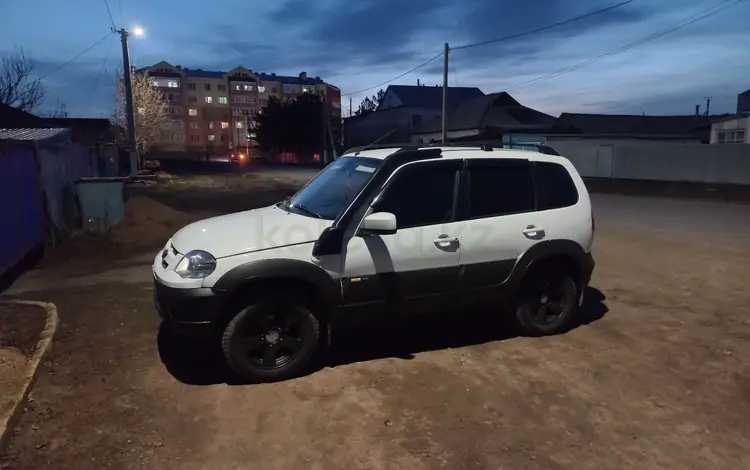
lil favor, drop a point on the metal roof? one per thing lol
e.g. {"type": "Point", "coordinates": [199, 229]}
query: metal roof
{"type": "Point", "coordinates": [31, 134]}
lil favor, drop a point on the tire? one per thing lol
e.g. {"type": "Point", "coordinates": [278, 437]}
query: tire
{"type": "Point", "coordinates": [549, 286]}
{"type": "Point", "coordinates": [271, 341]}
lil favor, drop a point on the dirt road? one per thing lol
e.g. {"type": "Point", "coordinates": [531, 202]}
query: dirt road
{"type": "Point", "coordinates": [658, 376]}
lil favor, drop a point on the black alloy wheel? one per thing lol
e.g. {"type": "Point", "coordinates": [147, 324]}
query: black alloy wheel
{"type": "Point", "coordinates": [271, 341]}
{"type": "Point", "coordinates": [548, 302]}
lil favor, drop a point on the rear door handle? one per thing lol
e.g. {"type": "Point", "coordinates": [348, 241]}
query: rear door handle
{"type": "Point", "coordinates": [533, 232]}
{"type": "Point", "coordinates": [445, 240]}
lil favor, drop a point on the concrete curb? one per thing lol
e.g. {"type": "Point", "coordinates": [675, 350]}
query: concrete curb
{"type": "Point", "coordinates": [9, 420]}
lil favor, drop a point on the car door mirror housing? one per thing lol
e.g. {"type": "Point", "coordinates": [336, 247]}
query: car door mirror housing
{"type": "Point", "coordinates": [379, 223]}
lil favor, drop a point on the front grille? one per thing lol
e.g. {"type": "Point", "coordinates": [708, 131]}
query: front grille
{"type": "Point", "coordinates": [164, 263]}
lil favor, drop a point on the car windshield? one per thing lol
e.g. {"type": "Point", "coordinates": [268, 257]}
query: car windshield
{"type": "Point", "coordinates": [334, 188]}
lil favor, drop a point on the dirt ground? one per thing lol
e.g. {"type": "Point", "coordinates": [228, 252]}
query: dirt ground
{"type": "Point", "coordinates": [20, 327]}
{"type": "Point", "coordinates": [657, 376]}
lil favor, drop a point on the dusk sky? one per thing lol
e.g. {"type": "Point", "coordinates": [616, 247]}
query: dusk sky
{"type": "Point", "coordinates": [356, 45]}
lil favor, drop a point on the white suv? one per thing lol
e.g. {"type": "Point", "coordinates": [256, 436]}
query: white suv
{"type": "Point", "coordinates": [383, 232]}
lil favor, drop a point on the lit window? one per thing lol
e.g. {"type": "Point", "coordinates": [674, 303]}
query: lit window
{"type": "Point", "coordinates": [193, 125]}
{"type": "Point", "coordinates": [211, 125]}
{"type": "Point", "coordinates": [222, 100]}
{"type": "Point", "coordinates": [262, 89]}
{"type": "Point", "coordinates": [155, 82]}
{"type": "Point", "coordinates": [247, 87]}
{"type": "Point", "coordinates": [211, 137]}
{"type": "Point", "coordinates": [192, 112]}
{"type": "Point", "coordinates": [224, 125]}
{"type": "Point", "coordinates": [172, 84]}
{"type": "Point", "coordinates": [209, 99]}
{"type": "Point", "coordinates": [238, 87]}
{"type": "Point", "coordinates": [239, 124]}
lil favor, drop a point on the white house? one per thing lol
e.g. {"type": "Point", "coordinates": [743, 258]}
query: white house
{"type": "Point", "coordinates": [731, 130]}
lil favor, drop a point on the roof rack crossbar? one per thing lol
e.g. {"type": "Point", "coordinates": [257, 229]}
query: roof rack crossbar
{"type": "Point", "coordinates": [486, 146]}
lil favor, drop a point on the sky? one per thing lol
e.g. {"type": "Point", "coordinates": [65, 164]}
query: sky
{"type": "Point", "coordinates": [357, 45]}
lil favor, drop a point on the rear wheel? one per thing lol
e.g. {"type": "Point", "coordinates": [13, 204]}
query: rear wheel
{"type": "Point", "coordinates": [547, 301]}
{"type": "Point", "coordinates": [271, 341]}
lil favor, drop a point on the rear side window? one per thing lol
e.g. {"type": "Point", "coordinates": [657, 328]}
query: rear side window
{"type": "Point", "coordinates": [500, 189]}
{"type": "Point", "coordinates": [555, 187]}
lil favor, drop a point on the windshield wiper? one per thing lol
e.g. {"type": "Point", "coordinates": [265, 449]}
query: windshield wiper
{"type": "Point", "coordinates": [307, 210]}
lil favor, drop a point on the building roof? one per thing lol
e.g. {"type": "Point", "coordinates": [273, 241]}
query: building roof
{"type": "Point", "coordinates": [432, 96]}
{"type": "Point", "coordinates": [14, 117]}
{"type": "Point", "coordinates": [746, 92]}
{"type": "Point", "coordinates": [290, 80]}
{"type": "Point", "coordinates": [198, 73]}
{"type": "Point", "coordinates": [31, 134]}
{"type": "Point", "coordinates": [496, 110]}
{"type": "Point", "coordinates": [629, 125]}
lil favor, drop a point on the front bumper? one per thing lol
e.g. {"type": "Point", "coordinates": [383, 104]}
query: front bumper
{"type": "Point", "coordinates": [191, 310]}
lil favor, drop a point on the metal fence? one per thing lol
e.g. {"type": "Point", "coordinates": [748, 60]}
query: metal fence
{"type": "Point", "coordinates": [699, 163]}
{"type": "Point", "coordinates": [21, 204]}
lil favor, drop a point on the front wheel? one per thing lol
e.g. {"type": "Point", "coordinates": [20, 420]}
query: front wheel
{"type": "Point", "coordinates": [268, 342]}
{"type": "Point", "coordinates": [547, 301]}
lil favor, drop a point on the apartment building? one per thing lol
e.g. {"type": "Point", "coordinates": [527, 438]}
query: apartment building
{"type": "Point", "coordinates": [212, 110]}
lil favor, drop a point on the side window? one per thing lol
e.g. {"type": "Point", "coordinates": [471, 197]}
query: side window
{"type": "Point", "coordinates": [421, 196]}
{"type": "Point", "coordinates": [555, 187]}
{"type": "Point", "coordinates": [500, 190]}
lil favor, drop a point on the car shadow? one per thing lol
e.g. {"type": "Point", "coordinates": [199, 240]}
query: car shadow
{"type": "Point", "coordinates": [199, 362]}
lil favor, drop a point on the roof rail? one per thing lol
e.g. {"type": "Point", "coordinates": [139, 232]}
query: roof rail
{"type": "Point", "coordinates": [486, 146]}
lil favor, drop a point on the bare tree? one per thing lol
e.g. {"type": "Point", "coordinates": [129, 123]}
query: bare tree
{"type": "Point", "coordinates": [17, 88]}
{"type": "Point", "coordinates": [151, 116]}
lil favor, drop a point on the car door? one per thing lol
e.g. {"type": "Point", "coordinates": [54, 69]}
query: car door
{"type": "Point", "coordinates": [415, 269]}
{"type": "Point", "coordinates": [501, 223]}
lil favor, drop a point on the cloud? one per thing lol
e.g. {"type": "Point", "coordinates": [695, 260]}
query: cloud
{"type": "Point", "coordinates": [356, 45]}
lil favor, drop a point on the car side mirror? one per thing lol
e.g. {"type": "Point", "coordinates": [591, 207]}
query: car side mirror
{"type": "Point", "coordinates": [378, 223]}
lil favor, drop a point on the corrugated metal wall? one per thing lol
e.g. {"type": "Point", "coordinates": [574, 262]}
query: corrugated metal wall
{"type": "Point", "coordinates": [700, 163]}
{"type": "Point", "coordinates": [21, 204]}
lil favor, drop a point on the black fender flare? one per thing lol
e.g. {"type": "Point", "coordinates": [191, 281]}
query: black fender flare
{"type": "Point", "coordinates": [281, 269]}
{"type": "Point", "coordinates": [542, 251]}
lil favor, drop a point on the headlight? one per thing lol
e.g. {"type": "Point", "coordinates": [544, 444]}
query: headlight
{"type": "Point", "coordinates": [197, 264]}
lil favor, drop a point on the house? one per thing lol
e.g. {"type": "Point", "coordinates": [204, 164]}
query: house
{"type": "Point", "coordinates": [497, 116]}
{"type": "Point", "coordinates": [731, 129]}
{"type": "Point", "coordinates": [403, 109]}
{"type": "Point", "coordinates": [743, 102]}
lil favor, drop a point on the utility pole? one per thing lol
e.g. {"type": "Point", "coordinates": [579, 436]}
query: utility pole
{"type": "Point", "coordinates": [708, 103]}
{"type": "Point", "coordinates": [350, 107]}
{"type": "Point", "coordinates": [129, 103]}
{"type": "Point", "coordinates": [446, 49]}
{"type": "Point", "coordinates": [324, 129]}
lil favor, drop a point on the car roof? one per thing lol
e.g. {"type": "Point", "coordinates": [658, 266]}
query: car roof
{"type": "Point", "coordinates": [463, 152]}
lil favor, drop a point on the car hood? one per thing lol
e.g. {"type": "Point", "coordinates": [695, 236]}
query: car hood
{"type": "Point", "coordinates": [243, 232]}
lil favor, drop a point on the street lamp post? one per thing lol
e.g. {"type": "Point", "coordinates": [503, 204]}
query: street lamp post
{"type": "Point", "coordinates": [133, 151]}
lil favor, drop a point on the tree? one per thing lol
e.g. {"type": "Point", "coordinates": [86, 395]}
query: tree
{"type": "Point", "coordinates": [369, 105]}
{"type": "Point", "coordinates": [17, 89]}
{"type": "Point", "coordinates": [151, 116]}
{"type": "Point", "coordinates": [294, 125]}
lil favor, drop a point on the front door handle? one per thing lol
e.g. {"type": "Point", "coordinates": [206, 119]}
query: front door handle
{"type": "Point", "coordinates": [445, 240]}
{"type": "Point", "coordinates": [533, 232]}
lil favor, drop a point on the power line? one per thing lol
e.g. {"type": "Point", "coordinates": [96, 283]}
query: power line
{"type": "Point", "coordinates": [393, 79]}
{"type": "Point", "coordinates": [679, 25]}
{"type": "Point", "coordinates": [101, 70]}
{"type": "Point", "coordinates": [57, 69]}
{"type": "Point", "coordinates": [506, 38]}
{"type": "Point", "coordinates": [109, 12]}
{"type": "Point", "coordinates": [543, 28]}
